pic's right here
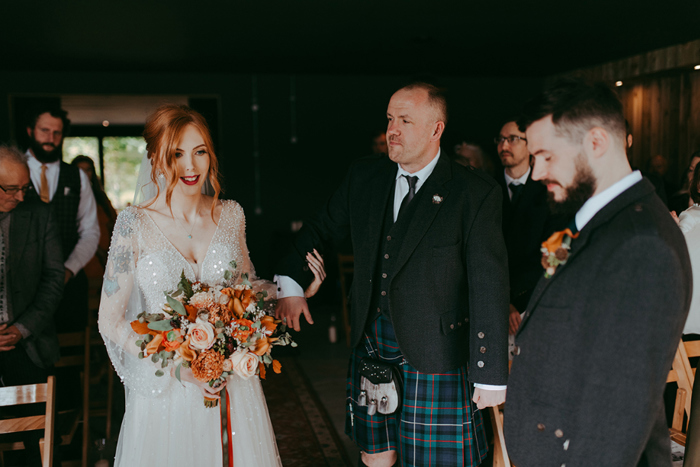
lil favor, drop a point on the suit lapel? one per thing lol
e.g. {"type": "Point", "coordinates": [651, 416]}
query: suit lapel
{"type": "Point", "coordinates": [426, 210]}
{"type": "Point", "coordinates": [19, 227]}
{"type": "Point", "coordinates": [381, 191]}
{"type": "Point", "coordinates": [627, 197]}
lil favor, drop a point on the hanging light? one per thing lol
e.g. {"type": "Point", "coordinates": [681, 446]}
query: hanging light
{"type": "Point", "coordinates": [618, 83]}
{"type": "Point", "coordinates": [697, 67]}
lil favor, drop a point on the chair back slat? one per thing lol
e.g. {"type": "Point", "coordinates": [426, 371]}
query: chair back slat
{"type": "Point", "coordinates": [18, 395]}
{"type": "Point", "coordinates": [14, 425]}
{"type": "Point", "coordinates": [692, 348]}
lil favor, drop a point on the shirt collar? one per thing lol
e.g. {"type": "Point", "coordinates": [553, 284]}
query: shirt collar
{"type": "Point", "coordinates": [518, 181]}
{"type": "Point", "coordinates": [423, 173]}
{"type": "Point", "coordinates": [599, 201]}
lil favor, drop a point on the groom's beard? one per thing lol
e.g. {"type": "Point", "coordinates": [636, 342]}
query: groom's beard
{"type": "Point", "coordinates": [44, 156]}
{"type": "Point", "coordinates": [580, 191]}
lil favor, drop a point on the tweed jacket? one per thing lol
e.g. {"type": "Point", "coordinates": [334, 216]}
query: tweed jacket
{"type": "Point", "coordinates": [448, 297]}
{"type": "Point", "coordinates": [35, 283]}
{"type": "Point", "coordinates": [597, 341]}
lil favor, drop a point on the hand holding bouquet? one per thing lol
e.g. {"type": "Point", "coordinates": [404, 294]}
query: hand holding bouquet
{"type": "Point", "coordinates": [215, 331]}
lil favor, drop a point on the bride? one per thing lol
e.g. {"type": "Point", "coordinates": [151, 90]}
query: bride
{"type": "Point", "coordinates": [180, 229]}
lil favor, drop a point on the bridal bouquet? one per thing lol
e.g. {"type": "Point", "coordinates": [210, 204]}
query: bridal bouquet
{"type": "Point", "coordinates": [215, 331]}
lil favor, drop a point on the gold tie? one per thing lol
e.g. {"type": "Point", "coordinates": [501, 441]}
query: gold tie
{"type": "Point", "coordinates": [44, 193]}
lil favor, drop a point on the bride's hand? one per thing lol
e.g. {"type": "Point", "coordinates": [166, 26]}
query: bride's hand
{"type": "Point", "coordinates": [318, 267]}
{"type": "Point", "coordinates": [209, 392]}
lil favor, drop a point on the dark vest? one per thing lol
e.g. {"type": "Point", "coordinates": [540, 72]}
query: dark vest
{"type": "Point", "coordinates": [392, 238]}
{"type": "Point", "coordinates": [65, 204]}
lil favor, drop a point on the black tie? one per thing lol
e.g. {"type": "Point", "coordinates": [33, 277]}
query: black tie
{"type": "Point", "coordinates": [409, 196]}
{"type": "Point", "coordinates": [517, 190]}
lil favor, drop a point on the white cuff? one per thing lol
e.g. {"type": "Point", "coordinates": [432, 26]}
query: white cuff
{"type": "Point", "coordinates": [287, 287]}
{"type": "Point", "coordinates": [490, 387]}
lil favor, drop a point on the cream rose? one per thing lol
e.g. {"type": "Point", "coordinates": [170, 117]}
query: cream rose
{"type": "Point", "coordinates": [228, 365]}
{"type": "Point", "coordinates": [201, 335]}
{"type": "Point", "coordinates": [245, 364]}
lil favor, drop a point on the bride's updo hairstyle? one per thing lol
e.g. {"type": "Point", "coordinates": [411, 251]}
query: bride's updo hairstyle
{"type": "Point", "coordinates": [163, 131]}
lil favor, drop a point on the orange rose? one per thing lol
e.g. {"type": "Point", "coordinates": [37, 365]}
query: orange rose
{"type": "Point", "coordinates": [155, 345]}
{"type": "Point", "coordinates": [172, 345]}
{"type": "Point", "coordinates": [269, 323]}
{"type": "Point", "coordinates": [262, 345]}
{"type": "Point", "coordinates": [240, 334]}
{"type": "Point", "coordinates": [276, 366]}
{"type": "Point", "coordinates": [186, 352]}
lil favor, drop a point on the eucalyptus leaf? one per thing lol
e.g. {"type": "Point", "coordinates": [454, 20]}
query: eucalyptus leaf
{"type": "Point", "coordinates": [160, 325]}
{"type": "Point", "coordinates": [143, 346]}
{"type": "Point", "coordinates": [267, 359]}
{"type": "Point", "coordinates": [177, 372]}
{"type": "Point", "coordinates": [141, 355]}
{"type": "Point", "coordinates": [293, 344]}
{"type": "Point", "coordinates": [233, 264]}
{"type": "Point", "coordinates": [148, 338]}
{"type": "Point", "coordinates": [172, 336]}
{"type": "Point", "coordinates": [139, 342]}
{"type": "Point", "coordinates": [228, 275]}
{"type": "Point", "coordinates": [159, 373]}
{"type": "Point", "coordinates": [219, 324]}
{"type": "Point", "coordinates": [245, 281]}
{"type": "Point", "coordinates": [164, 364]}
{"type": "Point", "coordinates": [154, 357]}
{"type": "Point", "coordinates": [176, 305]}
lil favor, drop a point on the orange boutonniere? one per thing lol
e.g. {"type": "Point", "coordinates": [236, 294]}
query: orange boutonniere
{"type": "Point", "coordinates": [555, 251]}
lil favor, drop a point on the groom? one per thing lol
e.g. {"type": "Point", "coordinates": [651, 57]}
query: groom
{"type": "Point", "coordinates": [596, 344]}
{"type": "Point", "coordinates": [430, 288]}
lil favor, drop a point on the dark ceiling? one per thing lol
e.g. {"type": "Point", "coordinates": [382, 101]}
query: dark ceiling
{"type": "Point", "coordinates": [516, 38]}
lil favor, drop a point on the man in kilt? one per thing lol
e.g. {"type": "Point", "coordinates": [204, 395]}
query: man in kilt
{"type": "Point", "coordinates": [429, 292]}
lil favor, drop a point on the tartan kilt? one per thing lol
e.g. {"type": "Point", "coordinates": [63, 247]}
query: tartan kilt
{"type": "Point", "coordinates": [434, 426]}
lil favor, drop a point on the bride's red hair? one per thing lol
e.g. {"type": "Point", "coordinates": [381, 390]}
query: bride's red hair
{"type": "Point", "coordinates": [163, 131]}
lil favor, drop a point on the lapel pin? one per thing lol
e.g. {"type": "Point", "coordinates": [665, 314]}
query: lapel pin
{"type": "Point", "coordinates": [437, 199]}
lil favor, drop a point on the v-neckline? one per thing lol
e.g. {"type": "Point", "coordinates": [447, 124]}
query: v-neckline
{"type": "Point", "coordinates": [197, 273]}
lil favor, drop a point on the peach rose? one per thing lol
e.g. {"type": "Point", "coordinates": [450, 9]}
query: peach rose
{"type": "Point", "coordinates": [245, 364]}
{"type": "Point", "coordinates": [228, 365]}
{"type": "Point", "coordinates": [202, 336]}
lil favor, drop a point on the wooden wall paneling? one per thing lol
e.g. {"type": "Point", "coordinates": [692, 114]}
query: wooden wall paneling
{"type": "Point", "coordinates": [685, 104]}
{"type": "Point", "coordinates": [694, 121]}
{"type": "Point", "coordinates": [672, 118]}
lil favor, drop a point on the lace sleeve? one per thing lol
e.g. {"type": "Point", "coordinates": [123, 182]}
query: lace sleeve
{"type": "Point", "coordinates": [121, 301]}
{"type": "Point", "coordinates": [247, 266]}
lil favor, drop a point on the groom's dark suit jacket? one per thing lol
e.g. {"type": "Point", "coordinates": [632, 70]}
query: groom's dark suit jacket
{"type": "Point", "coordinates": [597, 341]}
{"type": "Point", "coordinates": [448, 297]}
{"type": "Point", "coordinates": [527, 222]}
{"type": "Point", "coordinates": [35, 281]}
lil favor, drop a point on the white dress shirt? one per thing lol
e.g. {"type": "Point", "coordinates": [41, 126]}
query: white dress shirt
{"type": "Point", "coordinates": [690, 226]}
{"type": "Point", "coordinates": [516, 181]}
{"type": "Point", "coordinates": [602, 199]}
{"type": "Point", "coordinates": [88, 228]}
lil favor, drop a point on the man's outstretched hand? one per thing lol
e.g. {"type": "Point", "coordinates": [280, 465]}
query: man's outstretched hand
{"type": "Point", "coordinates": [290, 309]}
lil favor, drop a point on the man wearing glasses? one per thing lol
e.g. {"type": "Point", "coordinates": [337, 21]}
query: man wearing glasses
{"type": "Point", "coordinates": [526, 218]}
{"type": "Point", "coordinates": [31, 284]}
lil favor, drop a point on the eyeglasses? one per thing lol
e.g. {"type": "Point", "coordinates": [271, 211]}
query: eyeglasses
{"type": "Point", "coordinates": [14, 189]}
{"type": "Point", "coordinates": [512, 139]}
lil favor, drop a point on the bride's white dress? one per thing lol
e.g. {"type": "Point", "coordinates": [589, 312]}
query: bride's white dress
{"type": "Point", "coordinates": [166, 423]}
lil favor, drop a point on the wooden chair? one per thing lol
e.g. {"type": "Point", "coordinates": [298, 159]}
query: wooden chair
{"type": "Point", "coordinates": [32, 394]}
{"type": "Point", "coordinates": [684, 375]}
{"type": "Point", "coordinates": [80, 359]}
{"type": "Point", "coordinates": [346, 267]}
